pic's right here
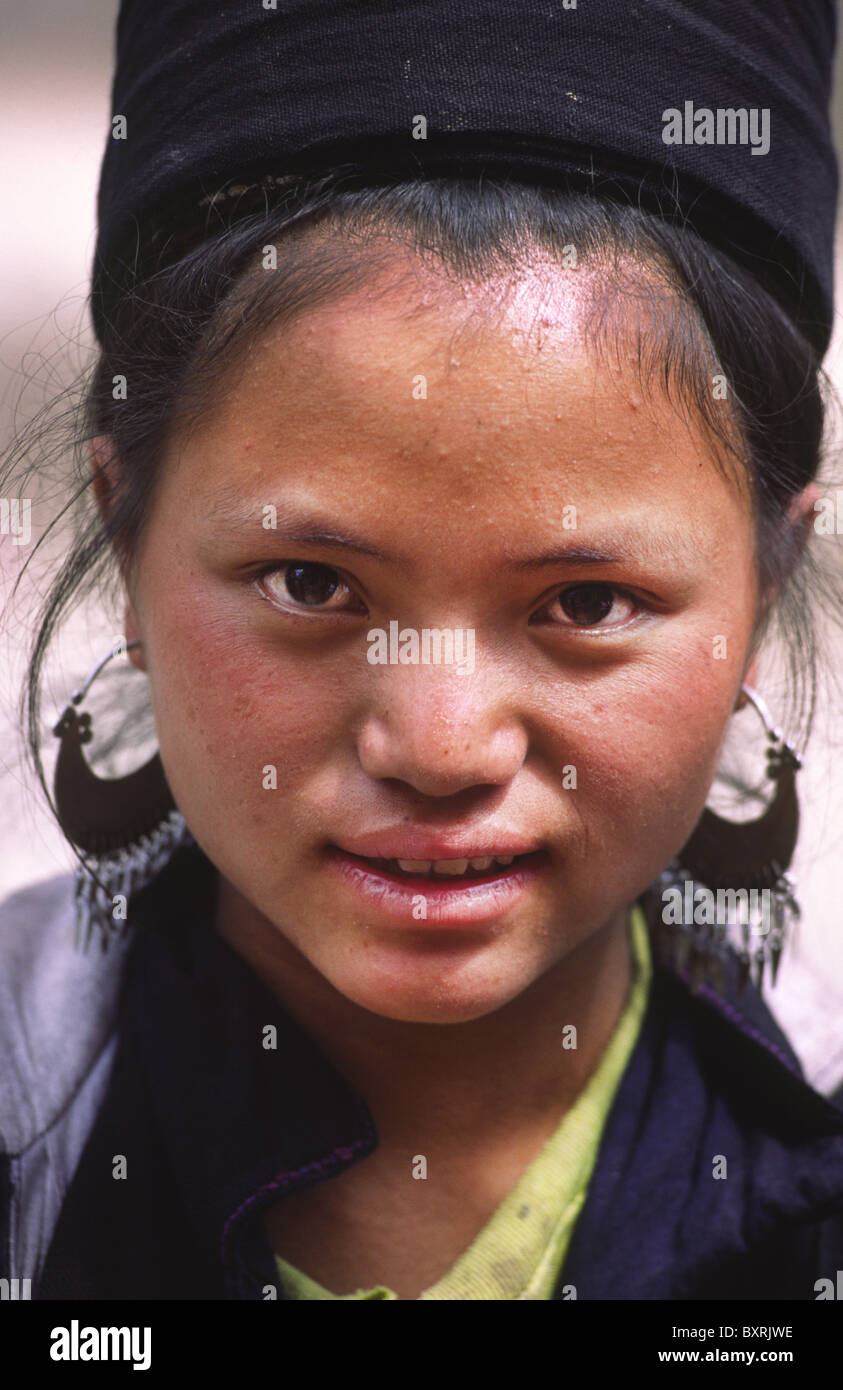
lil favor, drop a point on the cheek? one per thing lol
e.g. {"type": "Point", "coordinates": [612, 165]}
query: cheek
{"type": "Point", "coordinates": [228, 706]}
{"type": "Point", "coordinates": [649, 743]}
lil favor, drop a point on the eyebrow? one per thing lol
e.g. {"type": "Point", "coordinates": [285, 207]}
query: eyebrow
{"type": "Point", "coordinates": [570, 555]}
{"type": "Point", "coordinates": [312, 533]}
{"type": "Point", "coordinates": [626, 544]}
{"type": "Point", "coordinates": [303, 532]}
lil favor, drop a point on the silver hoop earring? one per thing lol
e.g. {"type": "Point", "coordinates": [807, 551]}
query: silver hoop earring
{"type": "Point", "coordinates": [127, 828]}
{"type": "Point", "coordinates": [744, 864]}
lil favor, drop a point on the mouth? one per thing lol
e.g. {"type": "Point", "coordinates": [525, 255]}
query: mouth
{"type": "Point", "coordinates": [423, 894]}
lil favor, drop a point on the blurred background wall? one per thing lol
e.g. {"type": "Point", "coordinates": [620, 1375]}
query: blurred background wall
{"type": "Point", "coordinates": [55, 74]}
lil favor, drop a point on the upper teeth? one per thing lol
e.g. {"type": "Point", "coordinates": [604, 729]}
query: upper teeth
{"type": "Point", "coordinates": [451, 866]}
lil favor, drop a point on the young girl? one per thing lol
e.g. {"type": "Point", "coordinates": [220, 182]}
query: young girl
{"type": "Point", "coordinates": [449, 514]}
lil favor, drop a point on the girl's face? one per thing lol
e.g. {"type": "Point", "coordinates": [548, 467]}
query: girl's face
{"type": "Point", "coordinates": [434, 458]}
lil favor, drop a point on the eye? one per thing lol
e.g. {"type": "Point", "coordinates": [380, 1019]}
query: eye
{"type": "Point", "coordinates": [303, 584]}
{"type": "Point", "coordinates": [587, 605]}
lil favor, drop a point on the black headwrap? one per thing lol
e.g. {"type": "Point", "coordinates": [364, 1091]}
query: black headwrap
{"type": "Point", "coordinates": [712, 111]}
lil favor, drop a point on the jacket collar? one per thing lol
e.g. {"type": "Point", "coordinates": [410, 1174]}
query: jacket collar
{"type": "Point", "coordinates": [249, 1106]}
{"type": "Point", "coordinates": [717, 1161]}
{"type": "Point", "coordinates": [243, 1123]}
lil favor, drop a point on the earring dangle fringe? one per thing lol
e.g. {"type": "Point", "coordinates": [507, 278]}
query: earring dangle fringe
{"type": "Point", "coordinates": [127, 827]}
{"type": "Point", "coordinates": [745, 865]}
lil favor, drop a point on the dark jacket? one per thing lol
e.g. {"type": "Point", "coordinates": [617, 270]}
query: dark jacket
{"type": "Point", "coordinates": [209, 1128]}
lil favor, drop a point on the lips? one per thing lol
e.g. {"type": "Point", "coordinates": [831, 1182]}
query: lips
{"type": "Point", "coordinates": [409, 852]}
{"type": "Point", "coordinates": [415, 845]}
{"type": "Point", "coordinates": [444, 874]}
{"type": "Point", "coordinates": [441, 890]}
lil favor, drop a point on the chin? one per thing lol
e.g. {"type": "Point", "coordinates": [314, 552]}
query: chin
{"type": "Point", "coordinates": [426, 1011]}
{"type": "Point", "coordinates": [443, 1001]}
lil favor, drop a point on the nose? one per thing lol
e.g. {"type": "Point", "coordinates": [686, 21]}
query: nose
{"type": "Point", "coordinates": [442, 731]}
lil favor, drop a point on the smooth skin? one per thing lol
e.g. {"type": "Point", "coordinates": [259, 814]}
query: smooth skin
{"type": "Point", "coordinates": [451, 1033]}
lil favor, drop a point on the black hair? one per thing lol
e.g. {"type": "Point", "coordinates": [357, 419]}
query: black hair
{"type": "Point", "coordinates": [178, 330]}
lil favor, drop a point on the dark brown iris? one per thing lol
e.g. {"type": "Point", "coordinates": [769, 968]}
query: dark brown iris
{"type": "Point", "coordinates": [587, 603]}
{"type": "Point", "coordinates": [311, 584]}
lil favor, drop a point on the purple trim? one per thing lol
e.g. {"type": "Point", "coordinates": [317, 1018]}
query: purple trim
{"type": "Point", "coordinates": [741, 1022]}
{"type": "Point", "coordinates": [318, 1167]}
{"type": "Point", "coordinates": [721, 1004]}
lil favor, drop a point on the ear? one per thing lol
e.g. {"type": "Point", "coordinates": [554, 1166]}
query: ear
{"type": "Point", "coordinates": [801, 515]}
{"type": "Point", "coordinates": [105, 469]}
{"type": "Point", "coordinates": [750, 677]}
{"type": "Point", "coordinates": [131, 627]}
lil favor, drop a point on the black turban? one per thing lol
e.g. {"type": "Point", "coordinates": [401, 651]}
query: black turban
{"type": "Point", "coordinates": [714, 112]}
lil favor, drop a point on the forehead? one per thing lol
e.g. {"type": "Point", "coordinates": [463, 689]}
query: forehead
{"type": "Point", "coordinates": [441, 388]}
{"type": "Point", "coordinates": [512, 322]}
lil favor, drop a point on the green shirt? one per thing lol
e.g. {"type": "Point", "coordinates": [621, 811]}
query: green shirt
{"type": "Point", "coordinates": [520, 1251]}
